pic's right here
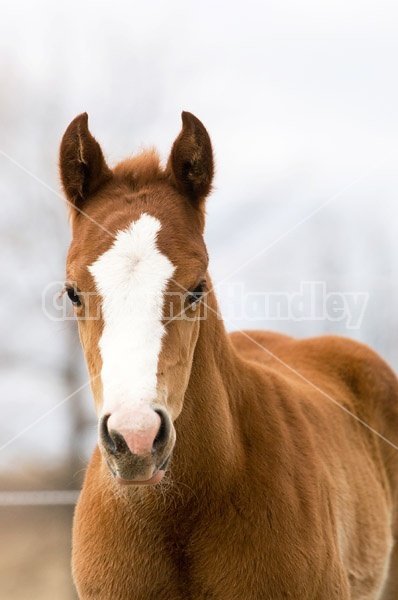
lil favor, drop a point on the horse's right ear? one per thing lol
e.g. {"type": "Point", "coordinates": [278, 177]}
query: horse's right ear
{"type": "Point", "coordinates": [81, 163]}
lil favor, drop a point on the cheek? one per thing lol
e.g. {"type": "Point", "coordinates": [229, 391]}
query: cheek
{"type": "Point", "coordinates": [89, 337]}
{"type": "Point", "coordinates": [175, 363]}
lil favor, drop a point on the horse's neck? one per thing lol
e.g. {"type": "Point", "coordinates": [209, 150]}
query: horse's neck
{"type": "Point", "coordinates": [208, 439]}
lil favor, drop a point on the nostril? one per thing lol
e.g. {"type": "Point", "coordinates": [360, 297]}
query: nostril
{"type": "Point", "coordinates": [103, 430]}
{"type": "Point", "coordinates": [113, 441]}
{"type": "Point", "coordinates": [163, 432]}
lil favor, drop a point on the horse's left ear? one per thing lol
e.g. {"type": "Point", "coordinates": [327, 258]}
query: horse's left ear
{"type": "Point", "coordinates": [190, 165]}
{"type": "Point", "coordinates": [81, 162]}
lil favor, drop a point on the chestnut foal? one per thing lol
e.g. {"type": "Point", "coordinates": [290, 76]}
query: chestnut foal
{"type": "Point", "coordinates": [249, 466]}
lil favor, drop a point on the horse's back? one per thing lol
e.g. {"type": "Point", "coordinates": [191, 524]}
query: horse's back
{"type": "Point", "coordinates": [360, 379]}
{"type": "Point", "coordinates": [338, 368]}
{"type": "Point", "coordinates": [350, 400]}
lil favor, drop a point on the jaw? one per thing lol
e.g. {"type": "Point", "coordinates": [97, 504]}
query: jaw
{"type": "Point", "coordinates": [152, 481]}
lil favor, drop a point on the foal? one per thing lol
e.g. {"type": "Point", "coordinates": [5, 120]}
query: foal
{"type": "Point", "coordinates": [249, 466]}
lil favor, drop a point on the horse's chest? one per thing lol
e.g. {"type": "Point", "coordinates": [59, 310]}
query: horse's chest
{"type": "Point", "coordinates": [225, 557]}
{"type": "Point", "coordinates": [199, 572]}
{"type": "Point", "coordinates": [217, 555]}
{"type": "Point", "coordinates": [207, 564]}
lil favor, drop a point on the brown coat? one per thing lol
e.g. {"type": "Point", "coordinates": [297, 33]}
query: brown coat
{"type": "Point", "coordinates": [283, 481]}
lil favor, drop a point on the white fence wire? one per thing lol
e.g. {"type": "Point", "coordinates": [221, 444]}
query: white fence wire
{"type": "Point", "coordinates": [39, 498]}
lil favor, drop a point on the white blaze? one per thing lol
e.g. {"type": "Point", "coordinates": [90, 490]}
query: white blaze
{"type": "Point", "coordinates": [131, 278]}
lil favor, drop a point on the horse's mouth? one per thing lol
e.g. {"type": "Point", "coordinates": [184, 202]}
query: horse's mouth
{"type": "Point", "coordinates": [153, 480]}
{"type": "Point", "coordinates": [165, 464]}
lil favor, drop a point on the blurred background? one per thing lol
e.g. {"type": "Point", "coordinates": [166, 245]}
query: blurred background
{"type": "Point", "coordinates": [300, 100]}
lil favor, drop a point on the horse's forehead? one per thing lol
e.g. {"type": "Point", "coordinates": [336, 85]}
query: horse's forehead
{"type": "Point", "coordinates": [130, 228]}
{"type": "Point", "coordinates": [103, 228]}
{"type": "Point", "coordinates": [134, 261]}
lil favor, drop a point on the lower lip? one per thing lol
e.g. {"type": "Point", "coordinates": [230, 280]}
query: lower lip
{"type": "Point", "coordinates": [152, 481]}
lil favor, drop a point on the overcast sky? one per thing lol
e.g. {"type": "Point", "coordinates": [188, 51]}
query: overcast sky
{"type": "Point", "coordinates": [300, 99]}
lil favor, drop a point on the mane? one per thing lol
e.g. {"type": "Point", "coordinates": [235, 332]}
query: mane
{"type": "Point", "coordinates": [137, 171]}
{"type": "Point", "coordinates": [141, 169]}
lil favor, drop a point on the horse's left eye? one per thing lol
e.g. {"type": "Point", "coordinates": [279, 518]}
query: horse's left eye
{"type": "Point", "coordinates": [196, 294]}
{"type": "Point", "coordinates": [73, 296]}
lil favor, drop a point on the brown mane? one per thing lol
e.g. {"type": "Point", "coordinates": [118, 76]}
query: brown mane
{"type": "Point", "coordinates": [140, 170]}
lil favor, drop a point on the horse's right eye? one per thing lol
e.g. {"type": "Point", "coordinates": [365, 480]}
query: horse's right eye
{"type": "Point", "coordinates": [73, 296]}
